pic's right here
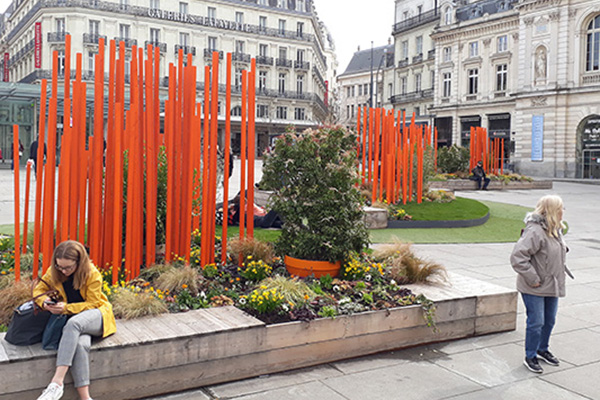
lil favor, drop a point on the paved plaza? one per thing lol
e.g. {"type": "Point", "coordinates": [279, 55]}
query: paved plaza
{"type": "Point", "coordinates": [485, 367]}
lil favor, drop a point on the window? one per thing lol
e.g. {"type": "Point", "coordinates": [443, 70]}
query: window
{"type": "Point", "coordinates": [94, 28]}
{"type": "Point", "coordinates": [212, 13]}
{"type": "Point", "coordinates": [262, 111]}
{"type": "Point", "coordinates": [124, 31]}
{"type": "Point", "coordinates": [282, 26]}
{"type": "Point", "coordinates": [124, 4]}
{"type": "Point", "coordinates": [347, 112]}
{"type": "Point", "coordinates": [300, 5]}
{"type": "Point", "coordinates": [502, 44]}
{"type": "Point", "coordinates": [353, 90]}
{"type": "Point", "coordinates": [283, 53]}
{"type": "Point", "coordinates": [239, 17]}
{"type": "Point", "coordinates": [352, 111]}
{"type": "Point", "coordinates": [281, 86]}
{"type": "Point", "coordinates": [212, 43]}
{"type": "Point", "coordinates": [239, 46]}
{"type": "Point", "coordinates": [91, 59]}
{"type": "Point", "coordinates": [473, 75]}
{"type": "Point", "coordinates": [360, 88]}
{"type": "Point", "coordinates": [448, 16]}
{"type": "Point", "coordinates": [447, 54]}
{"type": "Point", "coordinates": [405, 15]}
{"type": "Point", "coordinates": [155, 4]}
{"type": "Point", "coordinates": [281, 112]}
{"type": "Point", "coordinates": [299, 114]}
{"type": "Point", "coordinates": [183, 7]}
{"type": "Point", "coordinates": [348, 91]}
{"type": "Point", "coordinates": [184, 39]}
{"type": "Point", "coordinates": [263, 50]}
{"type": "Point", "coordinates": [390, 90]}
{"type": "Point", "coordinates": [447, 84]}
{"type": "Point", "coordinates": [262, 23]}
{"type": "Point", "coordinates": [403, 85]}
{"type": "Point", "coordinates": [432, 78]}
{"type": "Point", "coordinates": [418, 82]}
{"type": "Point", "coordinates": [366, 89]}
{"type": "Point", "coordinates": [281, 3]}
{"type": "Point", "coordinates": [154, 35]}
{"type": "Point", "coordinates": [262, 2]}
{"type": "Point", "coordinates": [300, 28]}
{"type": "Point", "coordinates": [60, 25]}
{"type": "Point", "coordinates": [300, 55]}
{"type": "Point", "coordinates": [262, 80]}
{"type": "Point", "coordinates": [501, 77]}
{"type": "Point", "coordinates": [417, 111]}
{"type": "Point", "coordinates": [473, 49]}
{"type": "Point", "coordinates": [405, 49]}
{"type": "Point", "coordinates": [593, 45]}
{"type": "Point", "coordinates": [238, 78]}
{"type": "Point", "coordinates": [419, 44]}
{"type": "Point", "coordinates": [61, 62]}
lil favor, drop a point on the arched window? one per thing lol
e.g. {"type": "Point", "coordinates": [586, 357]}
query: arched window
{"type": "Point", "coordinates": [593, 45]}
{"type": "Point", "coordinates": [448, 16]}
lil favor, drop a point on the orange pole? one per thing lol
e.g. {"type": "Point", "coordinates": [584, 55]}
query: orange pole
{"type": "Point", "coordinates": [151, 174]}
{"type": "Point", "coordinates": [358, 134]}
{"type": "Point", "coordinates": [214, 119]}
{"type": "Point", "coordinates": [371, 113]}
{"type": "Point", "coordinates": [170, 121]}
{"type": "Point", "coordinates": [242, 201]}
{"type": "Point", "coordinates": [374, 196]}
{"type": "Point", "coordinates": [205, 166]}
{"type": "Point", "coordinates": [39, 180]}
{"type": "Point", "coordinates": [117, 200]}
{"type": "Point", "coordinates": [364, 145]}
{"type": "Point", "coordinates": [189, 111]}
{"type": "Point", "coordinates": [227, 161]}
{"type": "Point", "coordinates": [17, 203]}
{"type": "Point", "coordinates": [251, 145]}
{"type": "Point", "coordinates": [502, 157]}
{"type": "Point", "coordinates": [25, 218]}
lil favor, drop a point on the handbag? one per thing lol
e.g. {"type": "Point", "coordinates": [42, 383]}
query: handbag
{"type": "Point", "coordinates": [29, 320]}
{"type": "Point", "coordinates": [53, 331]}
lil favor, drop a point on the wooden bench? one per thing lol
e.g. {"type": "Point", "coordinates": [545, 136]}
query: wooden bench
{"type": "Point", "coordinates": [174, 352]}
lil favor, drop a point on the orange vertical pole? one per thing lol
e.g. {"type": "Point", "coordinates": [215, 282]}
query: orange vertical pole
{"type": "Point", "coordinates": [251, 145]}
{"type": "Point", "coordinates": [205, 166]}
{"type": "Point", "coordinates": [96, 203]}
{"type": "Point", "coordinates": [17, 204]}
{"type": "Point", "coordinates": [374, 195]}
{"type": "Point", "coordinates": [39, 180]}
{"type": "Point", "coordinates": [412, 138]}
{"type": "Point", "coordinates": [189, 107]}
{"type": "Point", "coordinates": [404, 159]}
{"type": "Point", "coordinates": [242, 200]}
{"type": "Point", "coordinates": [117, 200]}
{"type": "Point", "coordinates": [371, 126]}
{"type": "Point", "coordinates": [502, 157]}
{"type": "Point", "coordinates": [214, 119]}
{"type": "Point", "coordinates": [170, 121]}
{"type": "Point", "coordinates": [151, 152]}
{"type": "Point", "coordinates": [227, 160]}
{"type": "Point", "coordinates": [26, 216]}
{"type": "Point", "coordinates": [358, 116]}
{"type": "Point", "coordinates": [364, 145]}
{"type": "Point", "coordinates": [109, 160]}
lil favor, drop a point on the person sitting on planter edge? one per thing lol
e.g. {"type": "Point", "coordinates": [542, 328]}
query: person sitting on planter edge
{"type": "Point", "coordinates": [479, 176]}
{"type": "Point", "coordinates": [90, 314]}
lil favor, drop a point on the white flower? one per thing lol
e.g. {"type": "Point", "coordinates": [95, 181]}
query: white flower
{"type": "Point", "coordinates": [393, 282]}
{"type": "Point", "coordinates": [202, 294]}
{"type": "Point", "coordinates": [344, 300]}
{"type": "Point", "coordinates": [336, 288]}
{"type": "Point", "coordinates": [242, 300]}
{"type": "Point", "coordinates": [368, 277]}
{"type": "Point", "coordinates": [285, 307]}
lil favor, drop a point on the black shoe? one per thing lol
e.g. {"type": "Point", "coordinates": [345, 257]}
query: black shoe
{"type": "Point", "coordinates": [548, 358]}
{"type": "Point", "coordinates": [533, 365]}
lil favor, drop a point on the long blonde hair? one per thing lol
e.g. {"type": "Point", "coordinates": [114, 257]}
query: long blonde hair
{"type": "Point", "coordinates": [74, 251]}
{"type": "Point", "coordinates": [550, 206]}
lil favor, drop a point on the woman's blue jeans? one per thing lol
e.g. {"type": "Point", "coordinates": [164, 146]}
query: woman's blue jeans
{"type": "Point", "coordinates": [541, 316]}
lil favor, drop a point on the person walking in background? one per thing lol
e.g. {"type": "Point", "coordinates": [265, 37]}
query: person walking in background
{"type": "Point", "coordinates": [21, 148]}
{"type": "Point", "coordinates": [33, 149]}
{"type": "Point", "coordinates": [539, 258]}
{"type": "Point", "coordinates": [479, 176]}
{"type": "Point", "coordinates": [90, 314]}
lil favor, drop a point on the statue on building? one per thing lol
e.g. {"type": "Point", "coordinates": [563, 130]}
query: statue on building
{"type": "Point", "coordinates": [540, 63]}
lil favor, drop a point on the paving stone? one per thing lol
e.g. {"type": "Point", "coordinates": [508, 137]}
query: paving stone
{"type": "Point", "coordinates": [528, 389]}
{"type": "Point", "coordinates": [589, 312]}
{"type": "Point", "coordinates": [420, 381]}
{"type": "Point", "coordinates": [191, 395]}
{"type": "Point", "coordinates": [582, 380]}
{"type": "Point", "coordinates": [310, 391]}
{"type": "Point", "coordinates": [577, 347]}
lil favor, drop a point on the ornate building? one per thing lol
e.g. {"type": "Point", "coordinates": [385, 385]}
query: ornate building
{"type": "Point", "coordinates": [291, 47]}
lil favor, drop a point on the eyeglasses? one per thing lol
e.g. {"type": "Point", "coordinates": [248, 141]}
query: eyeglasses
{"type": "Point", "coordinates": [65, 269]}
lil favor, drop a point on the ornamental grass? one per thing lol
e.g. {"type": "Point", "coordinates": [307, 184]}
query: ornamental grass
{"type": "Point", "coordinates": [128, 303]}
{"type": "Point", "coordinates": [251, 247]}
{"type": "Point", "coordinates": [13, 296]}
{"type": "Point", "coordinates": [293, 290]}
{"type": "Point", "coordinates": [176, 278]}
{"type": "Point", "coordinates": [406, 267]}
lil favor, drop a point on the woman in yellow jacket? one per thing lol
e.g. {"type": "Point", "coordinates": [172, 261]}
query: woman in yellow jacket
{"type": "Point", "coordinates": [80, 285]}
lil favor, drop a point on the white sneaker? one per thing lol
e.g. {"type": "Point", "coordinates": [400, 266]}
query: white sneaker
{"type": "Point", "coordinates": [53, 392]}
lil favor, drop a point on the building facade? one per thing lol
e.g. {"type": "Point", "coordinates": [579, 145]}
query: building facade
{"type": "Point", "coordinates": [285, 36]}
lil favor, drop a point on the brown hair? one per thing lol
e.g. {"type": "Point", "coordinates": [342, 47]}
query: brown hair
{"type": "Point", "coordinates": [74, 251]}
{"type": "Point", "coordinates": [549, 207]}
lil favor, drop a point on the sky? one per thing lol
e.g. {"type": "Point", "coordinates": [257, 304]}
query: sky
{"type": "Point", "coordinates": [352, 23]}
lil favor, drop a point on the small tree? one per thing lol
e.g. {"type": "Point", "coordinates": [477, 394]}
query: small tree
{"type": "Point", "coordinates": [453, 159]}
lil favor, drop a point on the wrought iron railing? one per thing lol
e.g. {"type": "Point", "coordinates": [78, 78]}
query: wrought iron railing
{"type": "Point", "coordinates": [283, 62]}
{"type": "Point", "coordinates": [56, 37]}
{"type": "Point", "coordinates": [161, 45]}
{"type": "Point", "coordinates": [305, 65]}
{"type": "Point", "coordinates": [264, 60]}
{"type": "Point", "coordinates": [415, 21]}
{"type": "Point", "coordinates": [92, 38]}
{"type": "Point", "coordinates": [186, 49]}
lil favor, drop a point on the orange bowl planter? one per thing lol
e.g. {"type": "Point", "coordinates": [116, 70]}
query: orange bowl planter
{"type": "Point", "coordinates": [304, 268]}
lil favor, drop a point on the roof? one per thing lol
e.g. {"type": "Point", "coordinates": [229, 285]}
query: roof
{"type": "Point", "coordinates": [361, 60]}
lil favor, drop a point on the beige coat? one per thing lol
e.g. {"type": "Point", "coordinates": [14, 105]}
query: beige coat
{"type": "Point", "coordinates": [540, 258]}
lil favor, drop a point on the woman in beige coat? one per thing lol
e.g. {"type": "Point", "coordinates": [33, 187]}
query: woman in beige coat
{"type": "Point", "coordinates": [539, 258]}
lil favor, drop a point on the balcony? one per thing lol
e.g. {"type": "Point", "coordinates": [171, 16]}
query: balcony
{"type": "Point", "coordinates": [128, 42]}
{"type": "Point", "coordinates": [304, 65]}
{"type": "Point", "coordinates": [241, 57]}
{"type": "Point", "coordinates": [318, 76]}
{"type": "Point", "coordinates": [209, 52]}
{"type": "Point", "coordinates": [93, 38]}
{"type": "Point", "coordinates": [590, 79]}
{"type": "Point", "coordinates": [418, 58]}
{"type": "Point", "coordinates": [413, 22]}
{"type": "Point", "coordinates": [431, 54]}
{"type": "Point", "coordinates": [283, 62]}
{"type": "Point", "coordinates": [403, 63]}
{"type": "Point", "coordinates": [186, 49]}
{"type": "Point", "coordinates": [264, 60]}
{"type": "Point", "coordinates": [162, 46]}
{"type": "Point", "coordinates": [22, 53]}
{"type": "Point", "coordinates": [417, 95]}
{"type": "Point", "coordinates": [57, 37]}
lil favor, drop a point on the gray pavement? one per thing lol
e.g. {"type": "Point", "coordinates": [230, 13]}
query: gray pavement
{"type": "Point", "coordinates": [485, 367]}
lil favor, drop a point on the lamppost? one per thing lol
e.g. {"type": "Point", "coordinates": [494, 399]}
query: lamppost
{"type": "Point", "coordinates": [382, 76]}
{"type": "Point", "coordinates": [371, 85]}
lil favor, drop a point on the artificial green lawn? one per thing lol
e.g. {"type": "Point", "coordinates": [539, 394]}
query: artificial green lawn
{"type": "Point", "coordinates": [460, 208]}
{"type": "Point", "coordinates": [504, 225]}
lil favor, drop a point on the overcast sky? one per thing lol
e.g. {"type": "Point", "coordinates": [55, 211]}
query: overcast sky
{"type": "Point", "coordinates": [352, 23]}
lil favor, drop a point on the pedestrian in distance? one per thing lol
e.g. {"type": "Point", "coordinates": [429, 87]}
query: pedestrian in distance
{"type": "Point", "coordinates": [539, 258]}
{"type": "Point", "coordinates": [33, 150]}
{"type": "Point", "coordinates": [89, 311]}
{"type": "Point", "coordinates": [479, 176]}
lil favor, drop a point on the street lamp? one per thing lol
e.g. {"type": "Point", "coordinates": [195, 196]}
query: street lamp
{"type": "Point", "coordinates": [382, 75]}
{"type": "Point", "coordinates": [371, 85]}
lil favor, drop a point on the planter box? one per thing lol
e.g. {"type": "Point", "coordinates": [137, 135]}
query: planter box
{"type": "Point", "coordinates": [175, 352]}
{"type": "Point", "coordinates": [466, 184]}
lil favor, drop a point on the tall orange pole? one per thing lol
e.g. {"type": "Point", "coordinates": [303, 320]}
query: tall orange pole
{"type": "Point", "coordinates": [205, 167]}
{"type": "Point", "coordinates": [376, 138]}
{"type": "Point", "coordinates": [242, 200]}
{"type": "Point", "coordinates": [117, 200]}
{"type": "Point", "coordinates": [212, 182]}
{"type": "Point", "coordinates": [502, 157]}
{"type": "Point", "coordinates": [371, 146]}
{"type": "Point", "coordinates": [251, 144]}
{"type": "Point", "coordinates": [170, 123]}
{"type": "Point", "coordinates": [227, 160]}
{"type": "Point", "coordinates": [26, 216]}
{"type": "Point", "coordinates": [17, 204]}
{"type": "Point", "coordinates": [364, 146]}
{"type": "Point", "coordinates": [39, 180]}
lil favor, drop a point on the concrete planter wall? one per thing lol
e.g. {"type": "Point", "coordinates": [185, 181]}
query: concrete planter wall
{"type": "Point", "coordinates": [465, 184]}
{"type": "Point", "coordinates": [152, 356]}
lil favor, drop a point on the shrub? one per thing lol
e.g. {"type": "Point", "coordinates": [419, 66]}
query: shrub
{"type": "Point", "coordinates": [128, 303]}
{"type": "Point", "coordinates": [453, 159]}
{"type": "Point", "coordinates": [13, 296]}
{"type": "Point", "coordinates": [255, 270]}
{"type": "Point", "coordinates": [263, 300]}
{"type": "Point", "coordinates": [258, 250]}
{"type": "Point", "coordinates": [174, 279]}
{"type": "Point", "coordinates": [406, 267]}
{"type": "Point", "coordinates": [293, 290]}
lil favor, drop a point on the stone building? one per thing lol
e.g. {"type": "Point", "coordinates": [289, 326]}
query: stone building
{"type": "Point", "coordinates": [291, 46]}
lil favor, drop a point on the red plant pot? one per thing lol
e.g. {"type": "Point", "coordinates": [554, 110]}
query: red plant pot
{"type": "Point", "coordinates": [304, 268]}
